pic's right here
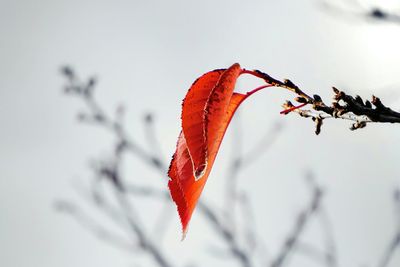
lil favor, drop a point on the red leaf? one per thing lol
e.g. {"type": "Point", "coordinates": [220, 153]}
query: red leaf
{"type": "Point", "coordinates": [206, 112]}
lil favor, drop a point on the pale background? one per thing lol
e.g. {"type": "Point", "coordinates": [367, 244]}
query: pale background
{"type": "Point", "coordinates": [146, 54]}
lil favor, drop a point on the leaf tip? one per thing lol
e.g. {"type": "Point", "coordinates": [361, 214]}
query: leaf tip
{"type": "Point", "coordinates": [184, 232]}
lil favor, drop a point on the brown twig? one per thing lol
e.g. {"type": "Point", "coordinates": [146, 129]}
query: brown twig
{"type": "Point", "coordinates": [343, 106]}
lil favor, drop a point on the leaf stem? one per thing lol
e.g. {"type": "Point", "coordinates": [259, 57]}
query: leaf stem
{"type": "Point", "coordinates": [258, 89]}
{"type": "Point", "coordinates": [287, 111]}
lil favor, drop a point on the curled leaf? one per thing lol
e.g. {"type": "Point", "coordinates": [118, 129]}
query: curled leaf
{"type": "Point", "coordinates": [207, 111]}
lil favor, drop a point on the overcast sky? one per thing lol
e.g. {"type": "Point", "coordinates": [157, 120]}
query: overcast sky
{"type": "Point", "coordinates": [145, 55]}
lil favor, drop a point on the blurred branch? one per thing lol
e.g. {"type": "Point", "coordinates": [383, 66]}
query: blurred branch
{"type": "Point", "coordinates": [150, 134]}
{"type": "Point", "coordinates": [313, 252]}
{"type": "Point", "coordinates": [394, 243]}
{"type": "Point", "coordinates": [110, 170]}
{"type": "Point", "coordinates": [355, 9]}
{"type": "Point", "coordinates": [240, 160]}
{"type": "Point", "coordinates": [209, 214]}
{"type": "Point", "coordinates": [97, 116]}
{"type": "Point", "coordinates": [92, 226]}
{"type": "Point", "coordinates": [300, 223]}
{"type": "Point", "coordinates": [326, 256]}
{"type": "Point", "coordinates": [330, 253]}
{"type": "Point", "coordinates": [144, 241]}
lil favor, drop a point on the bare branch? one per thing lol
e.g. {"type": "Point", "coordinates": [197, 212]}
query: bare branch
{"type": "Point", "coordinates": [330, 244]}
{"type": "Point", "coordinates": [313, 252]}
{"type": "Point", "coordinates": [302, 220]}
{"type": "Point", "coordinates": [344, 106]}
{"type": "Point", "coordinates": [92, 226]}
{"type": "Point", "coordinates": [394, 243]}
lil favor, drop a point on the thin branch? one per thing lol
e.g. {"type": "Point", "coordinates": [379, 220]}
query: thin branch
{"type": "Point", "coordinates": [330, 244]}
{"type": "Point", "coordinates": [92, 226]}
{"type": "Point", "coordinates": [388, 254]}
{"type": "Point", "coordinates": [344, 106]}
{"type": "Point", "coordinates": [313, 252]}
{"type": "Point", "coordinates": [239, 161]}
{"type": "Point", "coordinates": [110, 170]}
{"type": "Point", "coordinates": [301, 222]}
{"type": "Point", "coordinates": [150, 134]}
{"type": "Point", "coordinates": [251, 238]}
{"type": "Point", "coordinates": [144, 241]}
{"type": "Point", "coordinates": [205, 210]}
{"type": "Point", "coordinates": [97, 116]}
{"type": "Point", "coordinates": [394, 243]}
{"type": "Point", "coordinates": [236, 251]}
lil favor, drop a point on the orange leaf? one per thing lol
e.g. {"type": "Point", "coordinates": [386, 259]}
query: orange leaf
{"type": "Point", "coordinates": [206, 112]}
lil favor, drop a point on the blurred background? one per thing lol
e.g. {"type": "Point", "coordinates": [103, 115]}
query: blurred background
{"type": "Point", "coordinates": [143, 56]}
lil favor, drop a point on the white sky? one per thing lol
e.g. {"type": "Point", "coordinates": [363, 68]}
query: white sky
{"type": "Point", "coordinates": [146, 54]}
